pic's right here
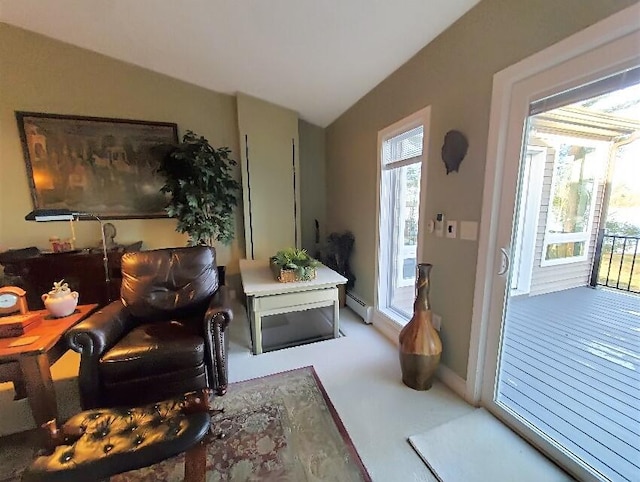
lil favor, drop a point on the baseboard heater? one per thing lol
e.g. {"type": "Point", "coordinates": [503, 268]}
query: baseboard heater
{"type": "Point", "coordinates": [360, 307]}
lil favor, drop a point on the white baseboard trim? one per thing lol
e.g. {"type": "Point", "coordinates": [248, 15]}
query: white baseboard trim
{"type": "Point", "coordinates": [452, 380]}
{"type": "Point", "coordinates": [387, 327]}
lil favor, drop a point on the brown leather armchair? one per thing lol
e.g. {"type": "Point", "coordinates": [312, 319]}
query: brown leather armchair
{"type": "Point", "coordinates": [167, 335]}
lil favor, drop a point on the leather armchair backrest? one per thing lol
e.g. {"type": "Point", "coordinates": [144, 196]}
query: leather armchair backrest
{"type": "Point", "coordinates": [161, 282]}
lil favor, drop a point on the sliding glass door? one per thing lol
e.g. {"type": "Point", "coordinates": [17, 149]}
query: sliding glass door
{"type": "Point", "coordinates": [562, 359]}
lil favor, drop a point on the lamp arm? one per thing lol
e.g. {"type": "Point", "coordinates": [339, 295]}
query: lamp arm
{"type": "Point", "coordinates": [105, 259]}
{"type": "Point", "coordinates": [73, 234]}
{"type": "Point", "coordinates": [67, 215]}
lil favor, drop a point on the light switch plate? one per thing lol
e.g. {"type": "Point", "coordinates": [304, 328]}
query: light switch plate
{"type": "Point", "coordinates": [452, 229]}
{"type": "Point", "coordinates": [469, 230]}
{"type": "Point", "coordinates": [439, 225]}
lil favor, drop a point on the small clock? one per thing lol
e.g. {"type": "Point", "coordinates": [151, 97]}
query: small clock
{"type": "Point", "coordinates": [12, 300]}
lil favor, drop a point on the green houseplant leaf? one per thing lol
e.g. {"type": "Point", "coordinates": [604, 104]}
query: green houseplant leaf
{"type": "Point", "coordinates": [203, 193]}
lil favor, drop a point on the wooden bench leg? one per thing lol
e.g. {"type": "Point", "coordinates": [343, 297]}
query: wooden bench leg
{"type": "Point", "coordinates": [195, 460]}
{"type": "Point", "coordinates": [195, 463]}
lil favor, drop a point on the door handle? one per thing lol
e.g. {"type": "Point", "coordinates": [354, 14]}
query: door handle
{"type": "Point", "coordinates": [504, 263]}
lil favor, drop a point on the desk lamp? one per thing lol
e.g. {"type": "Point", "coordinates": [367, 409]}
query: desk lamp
{"type": "Point", "coordinates": [67, 215]}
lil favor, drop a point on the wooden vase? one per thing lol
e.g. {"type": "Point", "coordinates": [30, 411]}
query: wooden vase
{"type": "Point", "coordinates": [420, 345]}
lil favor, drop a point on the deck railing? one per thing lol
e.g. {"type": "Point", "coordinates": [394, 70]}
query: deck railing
{"type": "Point", "coordinates": [617, 262]}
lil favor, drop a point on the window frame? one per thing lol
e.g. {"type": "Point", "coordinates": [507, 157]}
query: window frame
{"type": "Point", "coordinates": [584, 236]}
{"type": "Point", "coordinates": [383, 313]}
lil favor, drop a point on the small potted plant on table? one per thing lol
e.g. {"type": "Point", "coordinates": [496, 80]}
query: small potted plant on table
{"type": "Point", "coordinates": [291, 264]}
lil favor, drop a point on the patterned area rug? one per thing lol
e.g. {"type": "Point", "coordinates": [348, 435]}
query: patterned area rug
{"type": "Point", "coordinates": [280, 427]}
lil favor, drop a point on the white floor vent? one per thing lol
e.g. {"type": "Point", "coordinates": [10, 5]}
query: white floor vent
{"type": "Point", "coordinates": [360, 307]}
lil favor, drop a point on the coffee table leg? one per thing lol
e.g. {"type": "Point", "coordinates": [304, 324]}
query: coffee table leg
{"type": "Point", "coordinates": [336, 315]}
{"type": "Point", "coordinates": [39, 387]}
{"type": "Point", "coordinates": [257, 332]}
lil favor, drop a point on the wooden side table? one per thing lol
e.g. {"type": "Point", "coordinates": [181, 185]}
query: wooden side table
{"type": "Point", "coordinates": [28, 365]}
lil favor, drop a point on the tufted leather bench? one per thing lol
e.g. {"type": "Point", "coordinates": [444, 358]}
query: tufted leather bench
{"type": "Point", "coordinates": [96, 444]}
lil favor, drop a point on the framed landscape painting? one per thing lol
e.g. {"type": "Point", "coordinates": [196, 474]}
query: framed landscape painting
{"type": "Point", "coordinates": [107, 167]}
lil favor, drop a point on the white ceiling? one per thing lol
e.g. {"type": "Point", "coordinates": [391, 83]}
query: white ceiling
{"type": "Point", "coordinates": [317, 57]}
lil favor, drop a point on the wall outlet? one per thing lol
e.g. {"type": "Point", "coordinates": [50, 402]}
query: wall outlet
{"type": "Point", "coordinates": [436, 320]}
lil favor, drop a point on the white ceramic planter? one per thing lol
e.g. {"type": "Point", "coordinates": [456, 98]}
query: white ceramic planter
{"type": "Point", "coordinates": [61, 303]}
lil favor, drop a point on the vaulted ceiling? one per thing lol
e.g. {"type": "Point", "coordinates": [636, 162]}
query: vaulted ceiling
{"type": "Point", "coordinates": [317, 57]}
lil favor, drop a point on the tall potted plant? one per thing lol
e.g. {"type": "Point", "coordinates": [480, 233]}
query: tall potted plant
{"type": "Point", "coordinates": [202, 190]}
{"type": "Point", "coordinates": [336, 256]}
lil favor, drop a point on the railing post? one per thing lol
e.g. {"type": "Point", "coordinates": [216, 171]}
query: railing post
{"type": "Point", "coordinates": [597, 258]}
{"type": "Point", "coordinates": [633, 264]}
{"type": "Point", "coordinates": [624, 252]}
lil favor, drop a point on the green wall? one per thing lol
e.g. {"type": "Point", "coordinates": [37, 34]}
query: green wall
{"type": "Point", "coordinates": [39, 74]}
{"type": "Point", "coordinates": [268, 136]}
{"type": "Point", "coordinates": [453, 75]}
{"type": "Point", "coordinates": [313, 176]}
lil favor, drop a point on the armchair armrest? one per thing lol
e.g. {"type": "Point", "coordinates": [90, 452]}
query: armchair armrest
{"type": "Point", "coordinates": [100, 331]}
{"type": "Point", "coordinates": [220, 307]}
{"type": "Point", "coordinates": [91, 338]}
{"type": "Point", "coordinates": [216, 321]}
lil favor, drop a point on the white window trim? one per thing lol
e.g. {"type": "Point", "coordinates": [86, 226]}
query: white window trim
{"type": "Point", "coordinates": [389, 321]}
{"type": "Point", "coordinates": [545, 263]}
{"type": "Point", "coordinates": [529, 213]}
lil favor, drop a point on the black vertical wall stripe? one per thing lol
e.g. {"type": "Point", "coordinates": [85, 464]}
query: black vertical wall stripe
{"type": "Point", "coordinates": [295, 204]}
{"type": "Point", "coordinates": [246, 155]}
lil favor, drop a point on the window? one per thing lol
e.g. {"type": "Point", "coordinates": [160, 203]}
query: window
{"type": "Point", "coordinates": [401, 148]}
{"type": "Point", "coordinates": [577, 168]}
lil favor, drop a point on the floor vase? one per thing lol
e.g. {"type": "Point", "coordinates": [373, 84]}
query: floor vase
{"type": "Point", "coordinates": [420, 345]}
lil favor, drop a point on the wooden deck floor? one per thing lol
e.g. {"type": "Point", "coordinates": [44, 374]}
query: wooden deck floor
{"type": "Point", "coordinates": [571, 367]}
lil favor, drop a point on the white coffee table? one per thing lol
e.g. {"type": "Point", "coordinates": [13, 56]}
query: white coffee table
{"type": "Point", "coordinates": [267, 296]}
